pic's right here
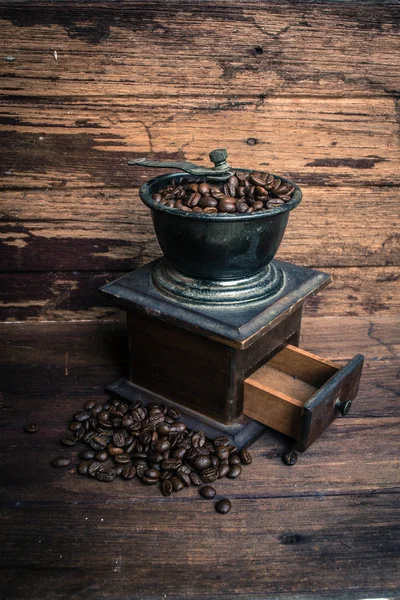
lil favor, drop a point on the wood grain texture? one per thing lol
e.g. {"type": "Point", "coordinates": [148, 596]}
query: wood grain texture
{"type": "Point", "coordinates": [65, 536]}
{"type": "Point", "coordinates": [307, 90]}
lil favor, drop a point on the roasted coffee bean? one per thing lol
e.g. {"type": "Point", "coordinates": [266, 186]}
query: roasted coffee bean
{"type": "Point", "coordinates": [113, 451]}
{"type": "Point", "coordinates": [234, 459]}
{"type": "Point", "coordinates": [174, 413]}
{"type": "Point", "coordinates": [231, 448]}
{"type": "Point", "coordinates": [226, 206]}
{"type": "Point", "coordinates": [105, 475]}
{"type": "Point", "coordinates": [94, 467]}
{"type": "Point", "coordinates": [171, 464]}
{"type": "Point", "coordinates": [195, 478]}
{"type": "Point", "coordinates": [153, 473]}
{"type": "Point", "coordinates": [234, 471]}
{"type": "Point", "coordinates": [149, 480]}
{"type": "Point", "coordinates": [204, 188]}
{"type": "Point", "coordinates": [207, 491]}
{"type": "Point", "coordinates": [184, 477]}
{"type": "Point", "coordinates": [82, 468]}
{"type": "Point", "coordinates": [61, 461]}
{"type": "Point", "coordinates": [32, 428]}
{"type": "Point", "coordinates": [223, 506]}
{"type": "Point", "coordinates": [130, 447]}
{"type": "Point", "coordinates": [155, 457]}
{"type": "Point", "coordinates": [118, 470]}
{"type": "Point", "coordinates": [162, 445]}
{"type": "Point", "coordinates": [163, 429]}
{"type": "Point", "coordinates": [68, 441]}
{"type": "Point", "coordinates": [166, 475]}
{"type": "Point", "coordinates": [82, 416]}
{"type": "Point", "coordinates": [98, 442]}
{"type": "Point", "coordinates": [127, 421]}
{"type": "Point", "coordinates": [123, 458]}
{"type": "Point", "coordinates": [86, 454]}
{"type": "Point", "coordinates": [290, 458]}
{"type": "Point", "coordinates": [245, 457]}
{"type": "Point", "coordinates": [128, 472]}
{"type": "Point", "coordinates": [198, 439]}
{"type": "Point", "coordinates": [214, 461]}
{"type": "Point", "coordinates": [177, 483]}
{"type": "Point", "coordinates": [101, 456]}
{"type": "Point", "coordinates": [185, 469]}
{"type": "Point", "coordinates": [118, 440]}
{"type": "Point", "coordinates": [202, 462]}
{"type": "Point", "coordinates": [145, 437]}
{"type": "Point", "coordinates": [258, 205]}
{"type": "Point", "coordinates": [177, 427]}
{"type": "Point", "coordinates": [179, 452]}
{"type": "Point", "coordinates": [221, 440]}
{"type": "Point", "coordinates": [209, 475]}
{"type": "Point", "coordinates": [89, 405]}
{"type": "Point", "coordinates": [166, 487]}
{"type": "Point", "coordinates": [140, 469]}
{"type": "Point", "coordinates": [75, 426]}
{"type": "Point", "coordinates": [222, 452]}
{"type": "Point", "coordinates": [223, 471]}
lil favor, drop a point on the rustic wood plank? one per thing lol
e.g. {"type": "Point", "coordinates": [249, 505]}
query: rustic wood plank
{"type": "Point", "coordinates": [164, 49]}
{"type": "Point", "coordinates": [64, 535]}
{"type": "Point", "coordinates": [150, 550]}
{"type": "Point", "coordinates": [71, 295]}
{"type": "Point", "coordinates": [330, 141]}
{"type": "Point", "coordinates": [368, 231]}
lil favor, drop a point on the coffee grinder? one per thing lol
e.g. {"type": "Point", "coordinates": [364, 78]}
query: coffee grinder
{"type": "Point", "coordinates": [214, 324]}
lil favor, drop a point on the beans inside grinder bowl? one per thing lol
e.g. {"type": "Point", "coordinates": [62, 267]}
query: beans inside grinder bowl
{"type": "Point", "coordinates": [243, 193]}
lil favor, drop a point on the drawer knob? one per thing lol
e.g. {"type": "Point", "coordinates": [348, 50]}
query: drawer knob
{"type": "Point", "coordinates": [343, 407]}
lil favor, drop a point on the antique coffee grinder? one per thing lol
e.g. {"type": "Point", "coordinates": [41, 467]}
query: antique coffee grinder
{"type": "Point", "coordinates": [214, 324]}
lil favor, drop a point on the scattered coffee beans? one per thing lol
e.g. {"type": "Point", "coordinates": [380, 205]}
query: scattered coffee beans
{"type": "Point", "coordinates": [243, 193]}
{"type": "Point", "coordinates": [148, 442]}
{"type": "Point", "coordinates": [61, 461]}
{"type": "Point", "coordinates": [207, 491]}
{"type": "Point", "coordinates": [290, 458]}
{"type": "Point", "coordinates": [223, 506]}
{"type": "Point", "coordinates": [31, 428]}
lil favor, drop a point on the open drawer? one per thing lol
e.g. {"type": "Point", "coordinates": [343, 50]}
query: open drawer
{"type": "Point", "coordinates": [300, 394]}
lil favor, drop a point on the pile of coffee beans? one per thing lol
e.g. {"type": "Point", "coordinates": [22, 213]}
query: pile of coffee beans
{"type": "Point", "coordinates": [152, 444]}
{"type": "Point", "coordinates": [243, 193]}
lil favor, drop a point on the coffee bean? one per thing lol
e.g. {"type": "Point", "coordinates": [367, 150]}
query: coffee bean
{"type": "Point", "coordinates": [31, 428]}
{"type": "Point", "coordinates": [214, 461]}
{"type": "Point", "coordinates": [195, 478]}
{"type": "Point", "coordinates": [128, 472]}
{"type": "Point", "coordinates": [101, 456]}
{"type": "Point", "coordinates": [177, 483]}
{"type": "Point", "coordinates": [166, 487]}
{"type": "Point", "coordinates": [245, 457]}
{"type": "Point", "coordinates": [171, 464]}
{"type": "Point", "coordinates": [118, 470]}
{"type": "Point", "coordinates": [223, 471]}
{"type": "Point", "coordinates": [105, 475]}
{"type": "Point", "coordinates": [123, 458]}
{"type": "Point", "coordinates": [198, 439]}
{"type": "Point", "coordinates": [82, 416]}
{"type": "Point", "coordinates": [223, 506]}
{"type": "Point", "coordinates": [61, 461]}
{"type": "Point", "coordinates": [94, 467]}
{"type": "Point", "coordinates": [290, 458]}
{"type": "Point", "coordinates": [166, 475]}
{"type": "Point", "coordinates": [207, 491]}
{"type": "Point", "coordinates": [221, 440]}
{"type": "Point", "coordinates": [82, 468]}
{"type": "Point", "coordinates": [68, 441]}
{"type": "Point", "coordinates": [75, 426]}
{"type": "Point", "coordinates": [113, 451]}
{"type": "Point", "coordinates": [149, 480]}
{"type": "Point", "coordinates": [89, 405]}
{"type": "Point", "coordinates": [162, 445]}
{"type": "Point", "coordinates": [234, 459]}
{"type": "Point", "coordinates": [184, 477]}
{"type": "Point", "coordinates": [222, 452]}
{"type": "Point", "coordinates": [86, 454]}
{"type": "Point", "coordinates": [234, 471]}
{"type": "Point", "coordinates": [153, 473]}
{"type": "Point", "coordinates": [202, 462]}
{"type": "Point", "coordinates": [140, 469]}
{"type": "Point", "coordinates": [209, 475]}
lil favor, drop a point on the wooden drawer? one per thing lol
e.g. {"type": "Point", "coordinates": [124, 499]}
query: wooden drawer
{"type": "Point", "coordinates": [300, 394]}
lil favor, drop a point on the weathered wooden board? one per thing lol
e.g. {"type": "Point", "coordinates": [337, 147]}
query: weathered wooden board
{"type": "Point", "coordinates": [219, 49]}
{"type": "Point", "coordinates": [329, 141]}
{"type": "Point", "coordinates": [178, 548]}
{"type": "Point", "coordinates": [111, 228]}
{"type": "Point", "coordinates": [63, 295]}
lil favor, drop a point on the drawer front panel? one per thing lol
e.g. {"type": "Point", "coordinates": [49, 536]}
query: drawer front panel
{"type": "Point", "coordinates": [321, 409]}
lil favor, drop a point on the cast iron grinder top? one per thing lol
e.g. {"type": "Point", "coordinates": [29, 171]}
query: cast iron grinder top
{"type": "Point", "coordinates": [216, 259]}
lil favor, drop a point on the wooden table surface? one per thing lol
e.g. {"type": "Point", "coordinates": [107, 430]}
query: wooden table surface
{"type": "Point", "coordinates": [65, 536]}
